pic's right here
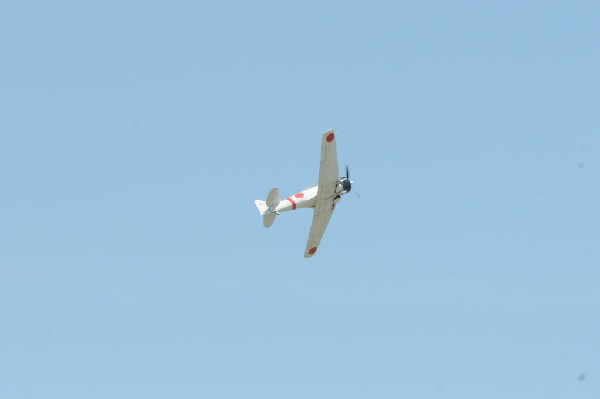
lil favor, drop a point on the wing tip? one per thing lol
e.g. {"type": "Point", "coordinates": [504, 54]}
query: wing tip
{"type": "Point", "coordinates": [328, 136]}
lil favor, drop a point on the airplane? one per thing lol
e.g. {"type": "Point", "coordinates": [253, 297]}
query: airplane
{"type": "Point", "coordinates": [323, 197]}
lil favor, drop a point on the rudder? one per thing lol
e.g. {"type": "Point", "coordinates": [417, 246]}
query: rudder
{"type": "Point", "coordinates": [262, 206]}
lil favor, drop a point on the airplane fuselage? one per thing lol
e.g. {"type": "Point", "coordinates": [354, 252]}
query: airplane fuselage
{"type": "Point", "coordinates": [306, 198]}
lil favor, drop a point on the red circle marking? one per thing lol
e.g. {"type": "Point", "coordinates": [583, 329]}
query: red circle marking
{"type": "Point", "coordinates": [330, 137]}
{"type": "Point", "coordinates": [299, 195]}
{"type": "Point", "coordinates": [312, 250]}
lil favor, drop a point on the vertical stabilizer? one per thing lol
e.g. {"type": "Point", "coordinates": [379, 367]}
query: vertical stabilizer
{"type": "Point", "coordinates": [267, 208]}
{"type": "Point", "coordinates": [262, 206]}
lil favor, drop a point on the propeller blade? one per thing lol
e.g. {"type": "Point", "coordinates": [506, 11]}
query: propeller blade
{"type": "Point", "coordinates": [355, 192]}
{"type": "Point", "coordinates": [347, 173]}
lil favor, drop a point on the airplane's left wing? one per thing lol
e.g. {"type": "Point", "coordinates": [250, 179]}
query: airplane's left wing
{"type": "Point", "coordinates": [328, 179]}
{"type": "Point", "coordinates": [319, 224]}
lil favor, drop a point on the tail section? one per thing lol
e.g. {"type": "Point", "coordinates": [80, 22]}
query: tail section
{"type": "Point", "coordinates": [267, 208]}
{"type": "Point", "coordinates": [273, 199]}
{"type": "Point", "coordinates": [262, 206]}
{"type": "Point", "coordinates": [268, 219]}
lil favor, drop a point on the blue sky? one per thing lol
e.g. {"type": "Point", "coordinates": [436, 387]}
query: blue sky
{"type": "Point", "coordinates": [135, 136]}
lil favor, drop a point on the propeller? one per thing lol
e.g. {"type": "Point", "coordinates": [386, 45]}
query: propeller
{"type": "Point", "coordinates": [347, 183]}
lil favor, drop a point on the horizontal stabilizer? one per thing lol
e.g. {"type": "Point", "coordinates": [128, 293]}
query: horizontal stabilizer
{"type": "Point", "coordinates": [268, 208]}
{"type": "Point", "coordinates": [268, 219]}
{"type": "Point", "coordinates": [273, 199]}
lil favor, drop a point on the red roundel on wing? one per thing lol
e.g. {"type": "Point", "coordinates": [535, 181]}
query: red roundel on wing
{"type": "Point", "coordinates": [312, 250]}
{"type": "Point", "coordinates": [299, 195]}
{"type": "Point", "coordinates": [330, 137]}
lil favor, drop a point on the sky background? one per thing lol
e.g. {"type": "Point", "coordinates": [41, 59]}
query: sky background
{"type": "Point", "coordinates": [135, 137]}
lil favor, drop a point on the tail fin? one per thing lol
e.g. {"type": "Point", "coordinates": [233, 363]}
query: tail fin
{"type": "Point", "coordinates": [262, 206]}
{"type": "Point", "coordinates": [267, 208]}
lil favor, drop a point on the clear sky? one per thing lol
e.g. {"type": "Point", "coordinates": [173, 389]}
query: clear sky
{"type": "Point", "coordinates": [135, 137]}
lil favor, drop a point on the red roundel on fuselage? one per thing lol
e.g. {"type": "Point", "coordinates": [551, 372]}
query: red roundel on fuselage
{"type": "Point", "coordinates": [299, 195]}
{"type": "Point", "coordinates": [330, 137]}
{"type": "Point", "coordinates": [312, 250]}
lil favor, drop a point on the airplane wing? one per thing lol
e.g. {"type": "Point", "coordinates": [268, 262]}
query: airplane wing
{"type": "Point", "coordinates": [329, 175]}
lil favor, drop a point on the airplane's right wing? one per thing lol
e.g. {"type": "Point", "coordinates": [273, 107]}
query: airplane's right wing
{"type": "Point", "coordinates": [328, 179]}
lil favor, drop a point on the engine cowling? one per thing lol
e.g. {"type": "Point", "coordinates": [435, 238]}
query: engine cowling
{"type": "Point", "coordinates": [346, 185]}
{"type": "Point", "coordinates": [343, 186]}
